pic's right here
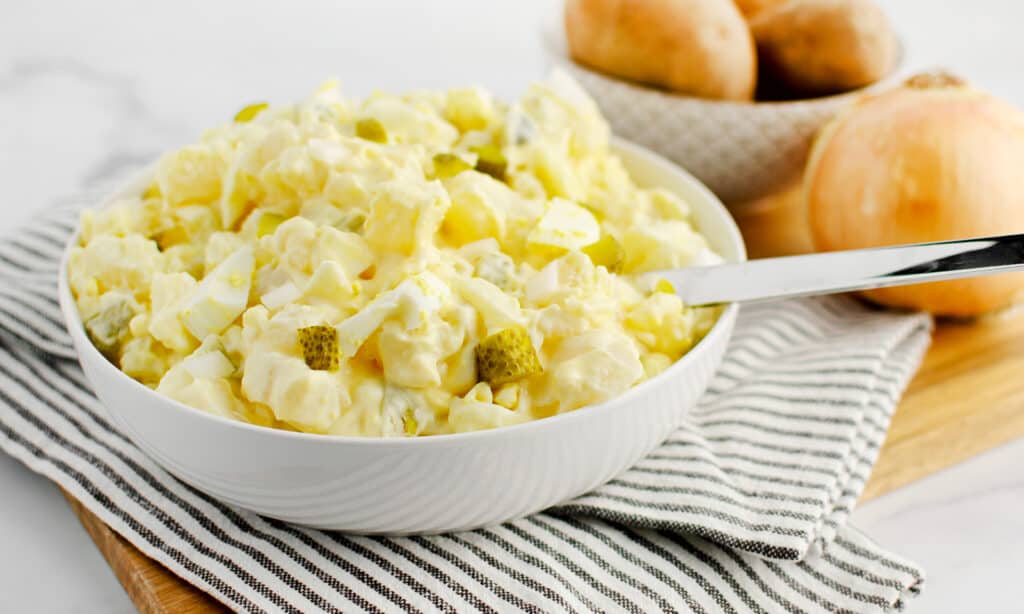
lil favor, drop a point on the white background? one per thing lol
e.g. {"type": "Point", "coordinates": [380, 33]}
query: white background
{"type": "Point", "coordinates": [89, 87]}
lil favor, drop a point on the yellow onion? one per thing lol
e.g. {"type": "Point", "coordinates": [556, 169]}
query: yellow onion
{"type": "Point", "coordinates": [932, 160]}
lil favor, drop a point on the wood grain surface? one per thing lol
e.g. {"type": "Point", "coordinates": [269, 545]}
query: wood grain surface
{"type": "Point", "coordinates": [152, 587]}
{"type": "Point", "coordinates": [965, 399]}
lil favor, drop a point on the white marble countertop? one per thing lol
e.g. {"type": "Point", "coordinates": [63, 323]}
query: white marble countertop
{"type": "Point", "coordinates": [89, 87]}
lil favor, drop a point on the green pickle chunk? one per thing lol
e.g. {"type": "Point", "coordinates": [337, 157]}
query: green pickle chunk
{"type": "Point", "coordinates": [606, 252]}
{"type": "Point", "coordinates": [250, 112]}
{"type": "Point", "coordinates": [320, 347]}
{"type": "Point", "coordinates": [409, 423]}
{"type": "Point", "coordinates": [106, 326]}
{"type": "Point", "coordinates": [491, 160]}
{"type": "Point", "coordinates": [449, 165]}
{"type": "Point", "coordinates": [352, 221]}
{"type": "Point", "coordinates": [506, 356]}
{"type": "Point", "coordinates": [372, 130]}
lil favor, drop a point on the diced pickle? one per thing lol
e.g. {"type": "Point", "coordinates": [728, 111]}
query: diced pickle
{"type": "Point", "coordinates": [506, 356]}
{"type": "Point", "coordinates": [153, 191]}
{"type": "Point", "coordinates": [410, 424]}
{"type": "Point", "coordinates": [448, 165]}
{"type": "Point", "coordinates": [105, 327]}
{"type": "Point", "coordinates": [320, 347]}
{"type": "Point", "coordinates": [491, 160]}
{"type": "Point", "coordinates": [268, 223]}
{"type": "Point", "coordinates": [606, 252]}
{"type": "Point", "coordinates": [250, 112]}
{"type": "Point", "coordinates": [372, 130]}
{"type": "Point", "coordinates": [352, 221]}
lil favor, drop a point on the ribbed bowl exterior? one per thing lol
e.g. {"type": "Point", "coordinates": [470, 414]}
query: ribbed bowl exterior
{"type": "Point", "coordinates": [421, 485]}
{"type": "Point", "coordinates": [740, 150]}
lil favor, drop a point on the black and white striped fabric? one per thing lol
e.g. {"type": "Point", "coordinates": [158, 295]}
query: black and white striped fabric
{"type": "Point", "coordinates": [743, 509]}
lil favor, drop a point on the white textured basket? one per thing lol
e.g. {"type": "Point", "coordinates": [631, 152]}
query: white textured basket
{"type": "Point", "coordinates": [425, 484]}
{"type": "Point", "coordinates": [741, 150]}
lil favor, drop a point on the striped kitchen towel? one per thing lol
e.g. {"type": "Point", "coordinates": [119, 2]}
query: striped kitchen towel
{"type": "Point", "coordinates": [743, 509]}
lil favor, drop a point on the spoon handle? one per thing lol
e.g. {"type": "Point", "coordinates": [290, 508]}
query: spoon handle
{"type": "Point", "coordinates": [776, 278]}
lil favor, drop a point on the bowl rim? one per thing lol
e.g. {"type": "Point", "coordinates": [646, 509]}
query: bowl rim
{"type": "Point", "coordinates": [87, 351]}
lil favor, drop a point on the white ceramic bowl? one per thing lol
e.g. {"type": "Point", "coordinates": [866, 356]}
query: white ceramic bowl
{"type": "Point", "coordinates": [428, 484]}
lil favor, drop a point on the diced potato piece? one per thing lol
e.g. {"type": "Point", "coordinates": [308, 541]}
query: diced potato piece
{"type": "Point", "coordinates": [662, 324]}
{"type": "Point", "coordinates": [411, 358]}
{"type": "Point", "coordinates": [565, 225]}
{"type": "Point", "coordinates": [499, 310]}
{"type": "Point", "coordinates": [670, 244]}
{"type": "Point", "coordinates": [478, 208]}
{"type": "Point", "coordinates": [330, 283]}
{"type": "Point", "coordinates": [108, 263]}
{"type": "Point", "coordinates": [300, 245]}
{"type": "Point", "coordinates": [212, 395]}
{"type": "Point", "coordinates": [144, 359]}
{"type": "Point", "coordinates": [191, 174]}
{"type": "Point", "coordinates": [478, 411]}
{"type": "Point", "coordinates": [169, 293]}
{"type": "Point", "coordinates": [307, 399]}
{"type": "Point", "coordinates": [404, 412]}
{"type": "Point", "coordinates": [508, 395]}
{"type": "Point", "coordinates": [404, 216]}
{"type": "Point", "coordinates": [470, 108]}
{"type": "Point", "coordinates": [280, 296]}
{"type": "Point", "coordinates": [362, 418]}
{"type": "Point", "coordinates": [209, 361]}
{"type": "Point", "coordinates": [291, 178]}
{"type": "Point", "coordinates": [346, 248]}
{"type": "Point", "coordinates": [555, 171]}
{"type": "Point", "coordinates": [591, 367]}
{"type": "Point", "coordinates": [219, 246]}
{"type": "Point", "coordinates": [573, 273]}
{"type": "Point", "coordinates": [348, 190]}
{"type": "Point", "coordinates": [654, 363]}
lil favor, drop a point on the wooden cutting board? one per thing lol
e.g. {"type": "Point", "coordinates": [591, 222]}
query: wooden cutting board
{"type": "Point", "coordinates": [965, 399]}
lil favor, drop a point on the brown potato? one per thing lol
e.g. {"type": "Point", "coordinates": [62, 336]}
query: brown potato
{"type": "Point", "coordinates": [698, 47]}
{"type": "Point", "coordinates": [749, 8]}
{"type": "Point", "coordinates": [825, 46]}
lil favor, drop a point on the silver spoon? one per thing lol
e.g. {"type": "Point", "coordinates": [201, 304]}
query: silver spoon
{"type": "Point", "coordinates": [777, 278]}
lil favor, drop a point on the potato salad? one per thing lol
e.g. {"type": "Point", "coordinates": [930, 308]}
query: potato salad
{"type": "Point", "coordinates": [396, 266]}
